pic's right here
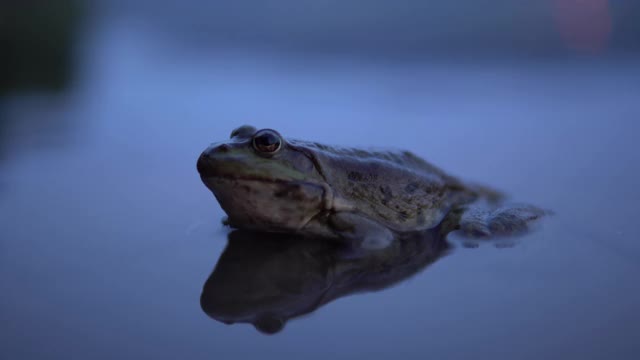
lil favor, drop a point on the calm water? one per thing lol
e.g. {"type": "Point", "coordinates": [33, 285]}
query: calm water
{"type": "Point", "coordinates": [107, 235]}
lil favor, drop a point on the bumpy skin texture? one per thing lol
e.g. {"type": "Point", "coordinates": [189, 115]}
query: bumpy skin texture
{"type": "Point", "coordinates": [397, 189]}
{"type": "Point", "coordinates": [364, 196]}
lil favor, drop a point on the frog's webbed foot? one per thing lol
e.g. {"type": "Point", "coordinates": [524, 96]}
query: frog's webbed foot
{"type": "Point", "coordinates": [360, 231]}
{"type": "Point", "coordinates": [476, 222]}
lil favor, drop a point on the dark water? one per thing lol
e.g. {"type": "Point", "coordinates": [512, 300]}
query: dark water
{"type": "Point", "coordinates": [107, 235]}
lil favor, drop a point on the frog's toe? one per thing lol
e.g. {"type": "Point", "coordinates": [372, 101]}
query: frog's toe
{"type": "Point", "coordinates": [506, 221]}
{"type": "Point", "coordinates": [514, 220]}
{"type": "Point", "coordinates": [474, 224]}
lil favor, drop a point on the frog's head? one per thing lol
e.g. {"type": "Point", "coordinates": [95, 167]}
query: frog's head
{"type": "Point", "coordinates": [262, 182]}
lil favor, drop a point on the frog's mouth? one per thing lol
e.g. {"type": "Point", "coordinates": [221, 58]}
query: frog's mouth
{"type": "Point", "coordinates": [211, 168]}
{"type": "Point", "coordinates": [210, 177]}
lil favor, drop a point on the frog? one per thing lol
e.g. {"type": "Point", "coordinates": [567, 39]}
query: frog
{"type": "Point", "coordinates": [265, 182]}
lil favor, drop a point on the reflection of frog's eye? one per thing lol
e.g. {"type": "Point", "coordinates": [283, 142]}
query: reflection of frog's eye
{"type": "Point", "coordinates": [267, 141]}
{"type": "Point", "coordinates": [269, 324]}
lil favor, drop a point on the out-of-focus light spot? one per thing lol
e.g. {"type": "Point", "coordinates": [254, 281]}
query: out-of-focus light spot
{"type": "Point", "coordinates": [585, 25]}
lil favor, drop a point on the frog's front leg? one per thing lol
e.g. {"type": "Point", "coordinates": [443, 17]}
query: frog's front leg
{"type": "Point", "coordinates": [360, 230]}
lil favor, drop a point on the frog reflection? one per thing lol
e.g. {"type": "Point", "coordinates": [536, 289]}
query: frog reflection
{"type": "Point", "coordinates": [265, 279]}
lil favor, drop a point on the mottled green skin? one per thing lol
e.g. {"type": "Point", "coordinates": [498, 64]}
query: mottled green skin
{"type": "Point", "coordinates": [315, 189]}
{"type": "Point", "coordinates": [395, 188]}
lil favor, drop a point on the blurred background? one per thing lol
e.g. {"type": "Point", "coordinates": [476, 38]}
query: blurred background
{"type": "Point", "coordinates": [107, 234]}
{"type": "Point", "coordinates": [64, 55]}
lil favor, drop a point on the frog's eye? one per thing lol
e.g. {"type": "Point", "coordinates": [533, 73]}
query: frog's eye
{"type": "Point", "coordinates": [267, 141]}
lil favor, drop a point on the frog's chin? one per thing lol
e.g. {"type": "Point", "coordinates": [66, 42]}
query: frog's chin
{"type": "Point", "coordinates": [267, 205]}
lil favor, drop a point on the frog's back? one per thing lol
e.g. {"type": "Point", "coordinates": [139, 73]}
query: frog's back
{"type": "Point", "coordinates": [396, 188]}
{"type": "Point", "coordinates": [400, 158]}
